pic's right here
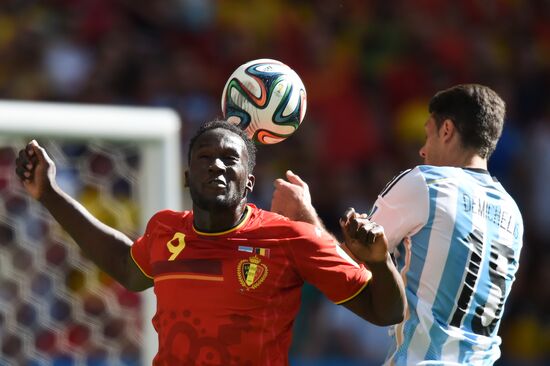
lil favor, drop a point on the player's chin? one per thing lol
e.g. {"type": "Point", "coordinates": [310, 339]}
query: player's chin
{"type": "Point", "coordinates": [217, 202]}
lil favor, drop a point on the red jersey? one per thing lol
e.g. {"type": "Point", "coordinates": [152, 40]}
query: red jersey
{"type": "Point", "coordinates": [230, 298]}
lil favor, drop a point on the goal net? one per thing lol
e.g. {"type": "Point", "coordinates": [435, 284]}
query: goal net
{"type": "Point", "coordinates": [122, 164]}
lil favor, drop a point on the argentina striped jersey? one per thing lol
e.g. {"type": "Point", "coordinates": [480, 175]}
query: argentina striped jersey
{"type": "Point", "coordinates": [456, 235]}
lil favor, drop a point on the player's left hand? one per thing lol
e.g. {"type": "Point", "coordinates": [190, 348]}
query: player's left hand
{"type": "Point", "coordinates": [291, 198]}
{"type": "Point", "coordinates": [364, 238]}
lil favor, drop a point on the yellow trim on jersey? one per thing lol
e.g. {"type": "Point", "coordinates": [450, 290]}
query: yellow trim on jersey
{"type": "Point", "coordinates": [189, 277]}
{"type": "Point", "coordinates": [438, 180]}
{"type": "Point", "coordinates": [355, 294]}
{"type": "Point", "coordinates": [137, 264]}
{"type": "Point", "coordinates": [246, 217]}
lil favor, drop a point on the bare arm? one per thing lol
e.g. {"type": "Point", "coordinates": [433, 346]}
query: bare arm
{"type": "Point", "coordinates": [383, 301]}
{"type": "Point", "coordinates": [108, 248]}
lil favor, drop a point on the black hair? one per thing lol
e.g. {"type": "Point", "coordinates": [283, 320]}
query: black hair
{"type": "Point", "coordinates": [477, 113]}
{"type": "Point", "coordinates": [223, 124]}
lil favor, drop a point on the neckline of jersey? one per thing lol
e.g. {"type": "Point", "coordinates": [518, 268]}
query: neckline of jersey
{"type": "Point", "coordinates": [482, 171]}
{"type": "Point", "coordinates": [234, 228]}
{"type": "Point", "coordinates": [478, 170]}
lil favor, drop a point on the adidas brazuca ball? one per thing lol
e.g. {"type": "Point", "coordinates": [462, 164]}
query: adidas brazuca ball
{"type": "Point", "coordinates": [266, 98]}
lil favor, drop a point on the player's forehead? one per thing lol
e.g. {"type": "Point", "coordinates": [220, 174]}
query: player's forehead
{"type": "Point", "coordinates": [222, 139]}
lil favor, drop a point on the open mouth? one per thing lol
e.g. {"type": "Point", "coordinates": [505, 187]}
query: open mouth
{"type": "Point", "coordinates": [217, 182]}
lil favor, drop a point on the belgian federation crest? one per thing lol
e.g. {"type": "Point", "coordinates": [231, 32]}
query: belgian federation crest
{"type": "Point", "coordinates": [251, 272]}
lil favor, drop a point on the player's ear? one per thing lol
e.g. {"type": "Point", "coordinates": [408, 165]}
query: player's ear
{"type": "Point", "coordinates": [186, 178]}
{"type": "Point", "coordinates": [447, 130]}
{"type": "Point", "coordinates": [250, 183]}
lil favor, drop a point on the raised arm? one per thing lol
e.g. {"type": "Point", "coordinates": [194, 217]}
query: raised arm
{"type": "Point", "coordinates": [108, 248]}
{"type": "Point", "coordinates": [383, 300]}
{"type": "Point", "coordinates": [291, 198]}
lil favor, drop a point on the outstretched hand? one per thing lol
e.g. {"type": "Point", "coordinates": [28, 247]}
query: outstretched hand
{"type": "Point", "coordinates": [35, 169]}
{"type": "Point", "coordinates": [291, 198]}
{"type": "Point", "coordinates": [364, 238]}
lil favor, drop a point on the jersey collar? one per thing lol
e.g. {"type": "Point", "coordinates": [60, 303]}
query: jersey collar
{"type": "Point", "coordinates": [482, 171]}
{"type": "Point", "coordinates": [235, 228]}
{"type": "Point", "coordinates": [478, 170]}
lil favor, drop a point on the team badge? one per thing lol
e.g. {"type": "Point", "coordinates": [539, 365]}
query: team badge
{"type": "Point", "coordinates": [251, 272]}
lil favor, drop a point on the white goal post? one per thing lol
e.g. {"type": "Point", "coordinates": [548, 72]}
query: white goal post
{"type": "Point", "coordinates": [155, 130]}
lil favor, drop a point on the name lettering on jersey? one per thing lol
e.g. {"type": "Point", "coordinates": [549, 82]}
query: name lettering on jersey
{"type": "Point", "coordinates": [489, 211]}
{"type": "Point", "coordinates": [251, 272]}
{"type": "Point", "coordinates": [176, 245]}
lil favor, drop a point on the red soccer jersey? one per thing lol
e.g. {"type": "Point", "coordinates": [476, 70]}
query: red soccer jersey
{"type": "Point", "coordinates": [230, 298]}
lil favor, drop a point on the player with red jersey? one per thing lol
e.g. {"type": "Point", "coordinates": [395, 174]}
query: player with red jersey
{"type": "Point", "coordinates": [245, 284]}
{"type": "Point", "coordinates": [227, 275]}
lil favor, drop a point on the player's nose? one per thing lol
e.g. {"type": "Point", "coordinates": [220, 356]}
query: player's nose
{"type": "Point", "coordinates": [216, 164]}
{"type": "Point", "coordinates": [422, 152]}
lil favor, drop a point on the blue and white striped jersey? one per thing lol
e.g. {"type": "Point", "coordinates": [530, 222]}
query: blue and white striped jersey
{"type": "Point", "coordinates": [457, 235]}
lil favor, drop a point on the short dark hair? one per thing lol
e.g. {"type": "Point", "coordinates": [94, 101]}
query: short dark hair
{"type": "Point", "coordinates": [223, 124]}
{"type": "Point", "coordinates": [477, 113]}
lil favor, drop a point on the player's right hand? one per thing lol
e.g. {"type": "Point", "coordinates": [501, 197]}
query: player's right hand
{"type": "Point", "coordinates": [35, 169]}
{"type": "Point", "coordinates": [364, 238]}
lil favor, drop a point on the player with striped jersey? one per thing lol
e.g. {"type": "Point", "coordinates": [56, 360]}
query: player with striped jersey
{"type": "Point", "coordinates": [457, 249]}
{"type": "Point", "coordinates": [455, 232]}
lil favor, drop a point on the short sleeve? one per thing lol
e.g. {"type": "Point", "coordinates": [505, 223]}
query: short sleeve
{"type": "Point", "coordinates": [141, 249]}
{"type": "Point", "coordinates": [322, 262]}
{"type": "Point", "coordinates": [403, 206]}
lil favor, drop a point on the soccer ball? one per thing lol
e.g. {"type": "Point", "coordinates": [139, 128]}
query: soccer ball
{"type": "Point", "coordinates": [266, 98]}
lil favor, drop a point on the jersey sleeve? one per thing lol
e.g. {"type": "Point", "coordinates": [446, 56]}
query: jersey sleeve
{"type": "Point", "coordinates": [141, 249]}
{"type": "Point", "coordinates": [403, 206]}
{"type": "Point", "coordinates": [321, 261]}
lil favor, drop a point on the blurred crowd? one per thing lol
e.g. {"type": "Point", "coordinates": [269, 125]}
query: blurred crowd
{"type": "Point", "coordinates": [369, 66]}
